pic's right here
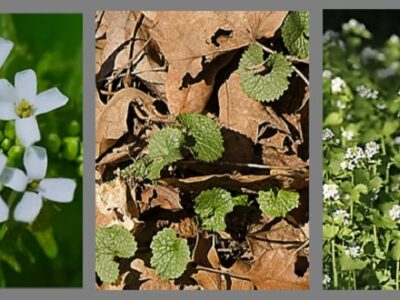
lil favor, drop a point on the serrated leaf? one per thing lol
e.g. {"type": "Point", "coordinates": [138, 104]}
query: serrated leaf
{"type": "Point", "coordinates": [242, 200]}
{"type": "Point", "coordinates": [277, 205]}
{"type": "Point", "coordinates": [111, 242]}
{"type": "Point", "coordinates": [212, 207]}
{"type": "Point", "coordinates": [164, 148]}
{"type": "Point", "coordinates": [208, 143]}
{"type": "Point", "coordinates": [258, 86]}
{"type": "Point", "coordinates": [296, 33]}
{"type": "Point", "coordinates": [170, 254]}
{"type": "Point", "coordinates": [106, 268]}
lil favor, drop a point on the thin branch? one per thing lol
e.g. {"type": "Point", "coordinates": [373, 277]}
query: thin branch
{"type": "Point", "coordinates": [233, 275]}
{"type": "Point", "coordinates": [290, 58]}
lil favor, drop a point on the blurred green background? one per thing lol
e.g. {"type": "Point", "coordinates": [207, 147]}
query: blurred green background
{"type": "Point", "coordinates": [382, 23]}
{"type": "Point", "coordinates": [51, 45]}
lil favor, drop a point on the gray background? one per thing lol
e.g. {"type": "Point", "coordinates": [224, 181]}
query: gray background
{"type": "Point", "coordinates": [88, 8]}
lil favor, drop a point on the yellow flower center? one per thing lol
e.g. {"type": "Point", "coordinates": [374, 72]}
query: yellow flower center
{"type": "Point", "coordinates": [24, 109]}
{"type": "Point", "coordinates": [33, 185]}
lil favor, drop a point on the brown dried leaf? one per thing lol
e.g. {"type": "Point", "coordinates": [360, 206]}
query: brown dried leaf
{"type": "Point", "coordinates": [111, 205]}
{"type": "Point", "coordinates": [240, 267]}
{"type": "Point", "coordinates": [286, 179]}
{"type": "Point", "coordinates": [237, 111]}
{"type": "Point", "coordinates": [150, 278]}
{"type": "Point", "coordinates": [275, 270]}
{"type": "Point", "coordinates": [111, 120]}
{"type": "Point", "coordinates": [160, 195]}
{"type": "Point", "coordinates": [279, 235]}
{"type": "Point", "coordinates": [195, 52]}
{"type": "Point", "coordinates": [186, 228]}
{"type": "Point", "coordinates": [273, 157]}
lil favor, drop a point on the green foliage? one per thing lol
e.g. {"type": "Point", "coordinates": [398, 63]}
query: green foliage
{"type": "Point", "coordinates": [361, 110]}
{"type": "Point", "coordinates": [208, 143]}
{"type": "Point", "coordinates": [202, 136]}
{"type": "Point", "coordinates": [112, 242]}
{"type": "Point", "coordinates": [296, 33]}
{"type": "Point", "coordinates": [255, 84]}
{"type": "Point", "coordinates": [277, 205]}
{"type": "Point", "coordinates": [212, 207]}
{"type": "Point", "coordinates": [170, 254]}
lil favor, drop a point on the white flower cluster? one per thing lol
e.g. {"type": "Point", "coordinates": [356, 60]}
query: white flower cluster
{"type": "Point", "coordinates": [331, 191]}
{"type": "Point", "coordinates": [353, 251]}
{"type": "Point", "coordinates": [341, 215]}
{"type": "Point", "coordinates": [368, 54]}
{"type": "Point", "coordinates": [327, 134]}
{"type": "Point", "coordinates": [390, 71]}
{"type": "Point", "coordinates": [21, 103]}
{"type": "Point", "coordinates": [394, 38]}
{"type": "Point", "coordinates": [337, 85]}
{"type": "Point", "coordinates": [367, 93]}
{"type": "Point", "coordinates": [356, 155]}
{"type": "Point", "coordinates": [394, 213]}
{"type": "Point", "coordinates": [327, 74]}
{"type": "Point", "coordinates": [330, 35]}
{"type": "Point", "coordinates": [348, 135]}
{"type": "Point", "coordinates": [353, 24]}
{"type": "Point", "coordinates": [327, 280]}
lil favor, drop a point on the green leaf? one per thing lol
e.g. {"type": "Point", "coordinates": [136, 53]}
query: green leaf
{"type": "Point", "coordinates": [350, 264]}
{"type": "Point", "coordinates": [111, 242]}
{"type": "Point", "coordinates": [242, 200]}
{"type": "Point", "coordinates": [212, 207]}
{"type": "Point", "coordinates": [296, 33]}
{"type": "Point", "coordinates": [170, 254]}
{"type": "Point", "coordinates": [277, 205]}
{"type": "Point", "coordinates": [208, 143]}
{"type": "Point", "coordinates": [268, 87]}
{"type": "Point", "coordinates": [164, 148]}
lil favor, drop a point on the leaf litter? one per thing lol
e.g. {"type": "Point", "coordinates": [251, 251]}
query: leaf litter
{"type": "Point", "coordinates": [151, 69]}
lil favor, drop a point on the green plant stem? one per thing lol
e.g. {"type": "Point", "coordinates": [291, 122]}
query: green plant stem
{"type": "Point", "coordinates": [397, 274]}
{"type": "Point", "coordinates": [354, 280]}
{"type": "Point", "coordinates": [383, 145]}
{"type": "Point", "coordinates": [333, 254]}
{"type": "Point", "coordinates": [12, 198]}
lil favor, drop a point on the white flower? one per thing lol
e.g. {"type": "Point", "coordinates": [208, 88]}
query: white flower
{"type": "Point", "coordinates": [371, 149]}
{"type": "Point", "coordinates": [337, 85]}
{"type": "Point", "coordinates": [347, 165]}
{"type": "Point", "coordinates": [348, 135]}
{"type": "Point", "coordinates": [340, 104]}
{"type": "Point", "coordinates": [36, 185]}
{"type": "Point", "coordinates": [396, 140]}
{"type": "Point", "coordinates": [354, 154]}
{"type": "Point", "coordinates": [331, 191]}
{"type": "Point", "coordinates": [341, 215]}
{"type": "Point", "coordinates": [394, 38]}
{"type": "Point", "coordinates": [367, 93]}
{"type": "Point", "coordinates": [327, 134]}
{"type": "Point", "coordinates": [394, 213]}
{"type": "Point", "coordinates": [368, 54]}
{"type": "Point", "coordinates": [353, 24]}
{"type": "Point", "coordinates": [330, 35]}
{"type": "Point", "coordinates": [381, 106]}
{"type": "Point", "coordinates": [389, 71]}
{"type": "Point", "coordinates": [327, 74]}
{"type": "Point", "coordinates": [21, 103]}
{"type": "Point", "coordinates": [4, 210]}
{"type": "Point", "coordinates": [327, 280]}
{"type": "Point", "coordinates": [353, 251]}
{"type": "Point", "coordinates": [5, 49]}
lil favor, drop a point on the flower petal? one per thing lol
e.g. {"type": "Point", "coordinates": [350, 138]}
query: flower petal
{"type": "Point", "coordinates": [27, 131]}
{"type": "Point", "coordinates": [3, 162]}
{"type": "Point", "coordinates": [7, 111]}
{"type": "Point", "coordinates": [49, 100]}
{"type": "Point", "coordinates": [25, 83]}
{"type": "Point", "coordinates": [5, 49]}
{"type": "Point", "coordinates": [15, 179]}
{"type": "Point", "coordinates": [8, 93]}
{"type": "Point", "coordinates": [28, 208]}
{"type": "Point", "coordinates": [57, 189]}
{"type": "Point", "coordinates": [35, 162]}
{"type": "Point", "coordinates": [4, 210]}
